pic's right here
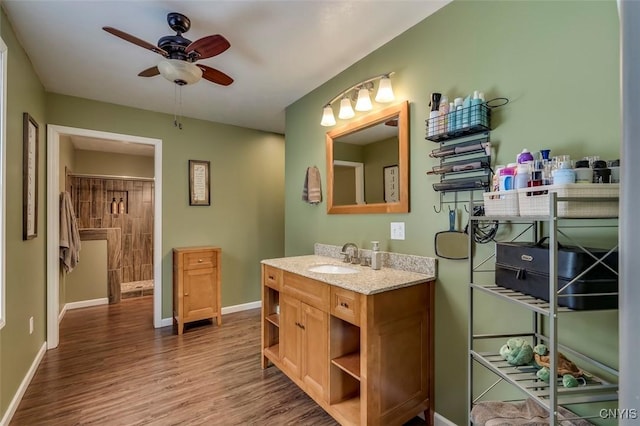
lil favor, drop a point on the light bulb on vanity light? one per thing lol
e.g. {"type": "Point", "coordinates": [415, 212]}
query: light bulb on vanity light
{"type": "Point", "coordinates": [328, 119]}
{"type": "Point", "coordinates": [364, 101]}
{"type": "Point", "coordinates": [385, 90]}
{"type": "Point", "coordinates": [346, 111]}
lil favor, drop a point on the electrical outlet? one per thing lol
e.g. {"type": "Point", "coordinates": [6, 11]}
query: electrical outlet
{"type": "Point", "coordinates": [397, 230]}
{"type": "Point", "coordinates": [31, 325]}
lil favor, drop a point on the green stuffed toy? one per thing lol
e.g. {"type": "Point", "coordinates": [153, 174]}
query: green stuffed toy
{"type": "Point", "coordinates": [517, 351]}
{"type": "Point", "coordinates": [566, 368]}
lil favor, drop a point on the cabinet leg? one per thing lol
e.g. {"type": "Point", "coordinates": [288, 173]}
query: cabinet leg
{"type": "Point", "coordinates": [219, 320]}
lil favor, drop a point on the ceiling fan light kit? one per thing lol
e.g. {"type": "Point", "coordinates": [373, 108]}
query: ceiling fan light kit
{"type": "Point", "coordinates": [179, 72]}
{"type": "Point", "coordinates": [363, 103]}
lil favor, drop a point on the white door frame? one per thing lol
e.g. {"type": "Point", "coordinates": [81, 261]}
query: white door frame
{"type": "Point", "coordinates": [53, 221]}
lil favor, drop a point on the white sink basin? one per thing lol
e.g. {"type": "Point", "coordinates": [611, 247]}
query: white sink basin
{"type": "Point", "coordinates": [333, 269]}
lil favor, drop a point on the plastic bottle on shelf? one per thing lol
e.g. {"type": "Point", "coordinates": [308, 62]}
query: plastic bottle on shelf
{"type": "Point", "coordinates": [466, 109]}
{"type": "Point", "coordinates": [476, 109]}
{"type": "Point", "coordinates": [524, 156]}
{"type": "Point", "coordinates": [121, 206]}
{"type": "Point", "coordinates": [444, 114]}
{"type": "Point", "coordinates": [457, 102]}
{"type": "Point", "coordinates": [451, 119]}
{"type": "Point", "coordinates": [523, 175]}
{"type": "Point", "coordinates": [506, 177]}
{"type": "Point", "coordinates": [114, 206]}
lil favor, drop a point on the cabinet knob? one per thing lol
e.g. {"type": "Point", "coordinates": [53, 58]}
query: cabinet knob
{"type": "Point", "coordinates": [186, 294]}
{"type": "Point", "coordinates": [344, 304]}
{"type": "Point", "coordinates": [199, 260]}
{"type": "Point", "coordinates": [271, 277]}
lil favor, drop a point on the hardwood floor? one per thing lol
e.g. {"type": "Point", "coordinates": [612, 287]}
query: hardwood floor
{"type": "Point", "coordinates": [113, 368]}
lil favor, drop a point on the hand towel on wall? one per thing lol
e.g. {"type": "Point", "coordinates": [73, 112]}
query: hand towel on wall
{"type": "Point", "coordinates": [69, 234]}
{"type": "Point", "coordinates": [312, 190]}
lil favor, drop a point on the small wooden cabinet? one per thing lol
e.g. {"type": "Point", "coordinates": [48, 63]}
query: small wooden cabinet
{"type": "Point", "coordinates": [365, 359]}
{"type": "Point", "coordinates": [196, 285]}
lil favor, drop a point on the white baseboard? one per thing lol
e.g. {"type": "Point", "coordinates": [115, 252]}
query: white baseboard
{"type": "Point", "coordinates": [13, 406]}
{"type": "Point", "coordinates": [242, 307]}
{"type": "Point", "coordinates": [61, 314]}
{"type": "Point", "coordinates": [439, 420]}
{"type": "Point", "coordinates": [86, 303]}
{"type": "Point", "coordinates": [165, 322]}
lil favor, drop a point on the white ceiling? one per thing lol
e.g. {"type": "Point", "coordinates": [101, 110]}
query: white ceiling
{"type": "Point", "coordinates": [280, 50]}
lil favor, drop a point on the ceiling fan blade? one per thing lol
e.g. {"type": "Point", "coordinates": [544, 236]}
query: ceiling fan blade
{"type": "Point", "coordinates": [149, 72]}
{"type": "Point", "coordinates": [215, 76]}
{"type": "Point", "coordinates": [135, 40]}
{"type": "Point", "coordinates": [209, 46]}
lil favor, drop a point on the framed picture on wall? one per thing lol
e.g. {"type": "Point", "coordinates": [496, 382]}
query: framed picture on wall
{"type": "Point", "coordinates": [391, 187]}
{"type": "Point", "coordinates": [29, 177]}
{"type": "Point", "coordinates": [199, 185]}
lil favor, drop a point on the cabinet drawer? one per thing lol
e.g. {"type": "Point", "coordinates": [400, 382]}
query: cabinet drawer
{"type": "Point", "coordinates": [307, 290]}
{"type": "Point", "coordinates": [345, 304]}
{"type": "Point", "coordinates": [272, 277]}
{"type": "Point", "coordinates": [200, 259]}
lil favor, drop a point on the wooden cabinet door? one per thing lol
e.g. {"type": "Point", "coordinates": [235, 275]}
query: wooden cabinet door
{"type": "Point", "coordinates": [199, 294]}
{"type": "Point", "coordinates": [315, 350]}
{"type": "Point", "coordinates": [290, 334]}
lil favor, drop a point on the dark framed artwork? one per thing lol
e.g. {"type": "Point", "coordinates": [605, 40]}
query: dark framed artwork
{"type": "Point", "coordinates": [391, 184]}
{"type": "Point", "coordinates": [199, 184]}
{"type": "Point", "coordinates": [29, 177]}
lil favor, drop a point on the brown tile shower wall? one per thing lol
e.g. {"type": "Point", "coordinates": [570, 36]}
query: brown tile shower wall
{"type": "Point", "coordinates": [92, 198]}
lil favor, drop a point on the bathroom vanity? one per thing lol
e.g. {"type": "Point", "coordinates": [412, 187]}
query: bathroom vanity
{"type": "Point", "coordinates": [357, 341]}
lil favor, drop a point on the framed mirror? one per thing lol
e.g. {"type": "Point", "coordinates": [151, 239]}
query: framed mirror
{"type": "Point", "coordinates": [368, 163]}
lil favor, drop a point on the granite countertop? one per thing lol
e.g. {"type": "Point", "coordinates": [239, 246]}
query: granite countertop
{"type": "Point", "coordinates": [366, 281]}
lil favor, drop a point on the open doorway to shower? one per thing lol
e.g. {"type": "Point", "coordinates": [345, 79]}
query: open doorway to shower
{"type": "Point", "coordinates": [133, 226]}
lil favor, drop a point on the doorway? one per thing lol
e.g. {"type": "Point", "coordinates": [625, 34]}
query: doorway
{"type": "Point", "coordinates": [54, 133]}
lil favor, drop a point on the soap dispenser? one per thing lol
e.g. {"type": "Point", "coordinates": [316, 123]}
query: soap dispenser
{"type": "Point", "coordinates": [376, 256]}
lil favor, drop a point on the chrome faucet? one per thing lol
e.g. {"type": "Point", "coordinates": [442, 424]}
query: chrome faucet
{"type": "Point", "coordinates": [350, 258]}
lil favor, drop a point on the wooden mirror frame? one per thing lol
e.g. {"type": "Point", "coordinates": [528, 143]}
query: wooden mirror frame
{"type": "Point", "coordinates": [401, 110]}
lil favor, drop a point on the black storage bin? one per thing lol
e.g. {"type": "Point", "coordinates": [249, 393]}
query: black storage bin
{"type": "Point", "coordinates": [524, 267]}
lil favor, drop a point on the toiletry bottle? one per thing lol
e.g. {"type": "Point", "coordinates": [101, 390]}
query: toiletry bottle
{"type": "Point", "coordinates": [121, 206]}
{"type": "Point", "coordinates": [523, 176]}
{"type": "Point", "coordinates": [506, 177]}
{"type": "Point", "coordinates": [114, 206]}
{"type": "Point", "coordinates": [476, 109]}
{"type": "Point", "coordinates": [524, 156]}
{"type": "Point", "coordinates": [451, 119]}
{"type": "Point", "coordinates": [457, 102]}
{"type": "Point", "coordinates": [376, 260]}
{"type": "Point", "coordinates": [444, 114]}
{"type": "Point", "coordinates": [466, 108]}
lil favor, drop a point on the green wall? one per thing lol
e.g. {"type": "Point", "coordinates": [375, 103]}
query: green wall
{"type": "Point", "coordinates": [557, 62]}
{"type": "Point", "coordinates": [25, 260]}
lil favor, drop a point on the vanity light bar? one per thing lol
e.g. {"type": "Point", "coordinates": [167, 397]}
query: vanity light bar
{"type": "Point", "coordinates": [384, 95]}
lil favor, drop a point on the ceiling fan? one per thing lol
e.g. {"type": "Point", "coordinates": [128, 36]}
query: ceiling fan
{"type": "Point", "coordinates": [181, 54]}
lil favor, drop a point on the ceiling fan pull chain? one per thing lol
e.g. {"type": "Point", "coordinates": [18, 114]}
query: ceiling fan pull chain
{"type": "Point", "coordinates": [176, 122]}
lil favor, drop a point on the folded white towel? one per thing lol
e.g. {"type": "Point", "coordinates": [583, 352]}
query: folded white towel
{"type": "Point", "coordinates": [312, 190]}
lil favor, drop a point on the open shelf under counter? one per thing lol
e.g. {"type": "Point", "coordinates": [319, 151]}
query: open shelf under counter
{"type": "Point", "coordinates": [349, 363]}
{"type": "Point", "coordinates": [274, 319]}
{"type": "Point", "coordinates": [349, 410]}
{"type": "Point", "coordinates": [273, 351]}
